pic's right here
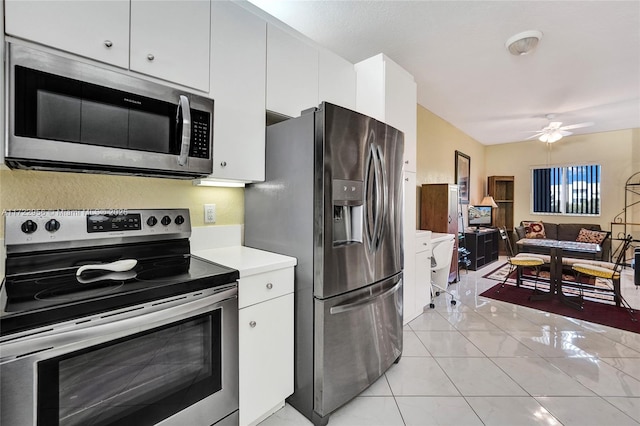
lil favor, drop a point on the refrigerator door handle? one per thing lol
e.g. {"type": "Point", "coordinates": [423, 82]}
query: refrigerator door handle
{"type": "Point", "coordinates": [370, 233]}
{"type": "Point", "coordinates": [383, 183]}
{"type": "Point", "coordinates": [379, 189]}
{"type": "Point", "coordinates": [346, 307]}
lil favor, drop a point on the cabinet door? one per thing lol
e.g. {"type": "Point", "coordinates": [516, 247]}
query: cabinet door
{"type": "Point", "coordinates": [453, 229]}
{"type": "Point", "coordinates": [401, 108]}
{"type": "Point", "coordinates": [238, 51]}
{"type": "Point", "coordinates": [292, 73]}
{"type": "Point", "coordinates": [266, 356]}
{"type": "Point", "coordinates": [336, 80]}
{"type": "Point", "coordinates": [409, 230]}
{"type": "Point", "coordinates": [2, 88]}
{"type": "Point", "coordinates": [423, 280]}
{"type": "Point", "coordinates": [370, 87]}
{"type": "Point", "coordinates": [170, 40]}
{"type": "Point", "coordinates": [95, 29]}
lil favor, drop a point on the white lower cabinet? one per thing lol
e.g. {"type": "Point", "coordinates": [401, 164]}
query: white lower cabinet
{"type": "Point", "coordinates": [265, 321]}
{"type": "Point", "coordinates": [423, 270]}
{"type": "Point", "coordinates": [409, 243]}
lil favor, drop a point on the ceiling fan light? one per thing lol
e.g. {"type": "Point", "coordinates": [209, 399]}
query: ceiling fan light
{"type": "Point", "coordinates": [554, 137]}
{"type": "Point", "coordinates": [523, 43]}
{"type": "Point", "coordinates": [550, 137]}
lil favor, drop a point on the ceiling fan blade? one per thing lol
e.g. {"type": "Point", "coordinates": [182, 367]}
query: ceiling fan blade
{"type": "Point", "coordinates": [576, 126]}
{"type": "Point", "coordinates": [565, 133]}
{"type": "Point", "coordinates": [537, 135]}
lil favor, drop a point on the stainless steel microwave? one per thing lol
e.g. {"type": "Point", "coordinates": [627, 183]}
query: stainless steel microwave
{"type": "Point", "coordinates": [68, 115]}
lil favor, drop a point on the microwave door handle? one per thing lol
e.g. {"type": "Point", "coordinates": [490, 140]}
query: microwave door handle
{"type": "Point", "coordinates": [185, 142]}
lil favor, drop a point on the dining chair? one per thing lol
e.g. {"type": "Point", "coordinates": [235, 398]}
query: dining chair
{"type": "Point", "coordinates": [611, 275]}
{"type": "Point", "coordinates": [517, 263]}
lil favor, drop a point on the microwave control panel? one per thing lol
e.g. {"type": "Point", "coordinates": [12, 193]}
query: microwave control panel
{"type": "Point", "coordinates": [200, 134]}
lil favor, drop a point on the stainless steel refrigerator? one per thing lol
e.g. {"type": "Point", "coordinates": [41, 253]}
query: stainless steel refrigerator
{"type": "Point", "coordinates": [332, 198]}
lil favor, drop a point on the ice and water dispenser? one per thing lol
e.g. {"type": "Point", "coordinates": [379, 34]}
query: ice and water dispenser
{"type": "Point", "coordinates": [348, 211]}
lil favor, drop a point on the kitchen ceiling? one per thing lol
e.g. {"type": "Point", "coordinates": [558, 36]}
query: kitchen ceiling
{"type": "Point", "coordinates": [586, 67]}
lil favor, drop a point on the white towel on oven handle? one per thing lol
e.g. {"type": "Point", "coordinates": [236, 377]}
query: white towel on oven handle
{"type": "Point", "coordinates": [117, 266]}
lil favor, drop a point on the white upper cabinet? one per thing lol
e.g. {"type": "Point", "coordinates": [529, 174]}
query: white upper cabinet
{"type": "Point", "coordinates": [336, 80]}
{"type": "Point", "coordinates": [292, 73]}
{"type": "Point", "coordinates": [170, 40]}
{"type": "Point", "coordinates": [388, 93]}
{"type": "Point", "coordinates": [164, 39]}
{"type": "Point", "coordinates": [95, 29]}
{"type": "Point", "coordinates": [238, 82]}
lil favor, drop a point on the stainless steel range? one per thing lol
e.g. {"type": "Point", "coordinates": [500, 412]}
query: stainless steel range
{"type": "Point", "coordinates": [106, 318]}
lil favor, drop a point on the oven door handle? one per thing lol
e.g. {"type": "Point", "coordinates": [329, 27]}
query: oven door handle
{"type": "Point", "coordinates": [114, 325]}
{"type": "Point", "coordinates": [117, 266]}
{"type": "Point", "coordinates": [184, 114]}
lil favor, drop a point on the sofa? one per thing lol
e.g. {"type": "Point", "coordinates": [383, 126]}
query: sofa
{"type": "Point", "coordinates": [577, 240]}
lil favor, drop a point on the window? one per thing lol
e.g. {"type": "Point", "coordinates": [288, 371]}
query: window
{"type": "Point", "coordinates": [572, 190]}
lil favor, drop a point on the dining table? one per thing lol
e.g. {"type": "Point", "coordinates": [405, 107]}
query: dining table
{"type": "Point", "coordinates": [555, 283]}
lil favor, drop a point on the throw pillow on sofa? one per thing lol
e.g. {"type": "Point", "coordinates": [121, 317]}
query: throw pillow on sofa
{"type": "Point", "coordinates": [534, 230]}
{"type": "Point", "coordinates": [587, 236]}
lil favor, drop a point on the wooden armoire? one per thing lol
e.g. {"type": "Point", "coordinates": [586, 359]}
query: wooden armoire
{"type": "Point", "coordinates": [439, 213]}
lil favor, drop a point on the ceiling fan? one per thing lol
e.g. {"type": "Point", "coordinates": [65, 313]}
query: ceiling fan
{"type": "Point", "coordinates": [555, 130]}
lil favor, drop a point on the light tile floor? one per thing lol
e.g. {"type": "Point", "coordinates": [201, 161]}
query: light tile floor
{"type": "Point", "coordinates": [488, 362]}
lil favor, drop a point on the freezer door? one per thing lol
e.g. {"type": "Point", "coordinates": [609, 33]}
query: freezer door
{"type": "Point", "coordinates": [359, 195]}
{"type": "Point", "coordinates": [357, 337]}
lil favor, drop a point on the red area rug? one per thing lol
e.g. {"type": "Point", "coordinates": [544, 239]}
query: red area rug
{"type": "Point", "coordinates": [600, 313]}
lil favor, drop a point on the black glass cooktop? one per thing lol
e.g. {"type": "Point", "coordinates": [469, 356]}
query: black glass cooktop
{"type": "Point", "coordinates": [45, 296]}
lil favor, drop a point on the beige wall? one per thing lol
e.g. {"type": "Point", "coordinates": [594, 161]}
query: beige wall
{"type": "Point", "coordinates": [437, 142]}
{"type": "Point", "coordinates": [617, 152]}
{"type": "Point", "coordinates": [612, 150]}
{"type": "Point", "coordinates": [20, 189]}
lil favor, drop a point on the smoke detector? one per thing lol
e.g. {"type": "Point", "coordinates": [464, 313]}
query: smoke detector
{"type": "Point", "coordinates": [523, 43]}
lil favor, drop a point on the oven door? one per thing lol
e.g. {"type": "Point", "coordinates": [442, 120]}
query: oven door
{"type": "Point", "coordinates": [176, 364]}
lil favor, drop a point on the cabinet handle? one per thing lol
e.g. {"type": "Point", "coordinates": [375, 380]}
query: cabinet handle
{"type": "Point", "coordinates": [150, 57]}
{"type": "Point", "coordinates": [406, 179]}
{"type": "Point", "coordinates": [269, 286]}
{"type": "Point", "coordinates": [223, 164]}
{"type": "Point", "coordinates": [406, 161]}
{"type": "Point", "coordinates": [108, 43]}
{"type": "Point", "coordinates": [252, 324]}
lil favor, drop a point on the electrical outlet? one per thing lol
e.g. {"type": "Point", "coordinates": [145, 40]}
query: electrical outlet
{"type": "Point", "coordinates": [209, 213]}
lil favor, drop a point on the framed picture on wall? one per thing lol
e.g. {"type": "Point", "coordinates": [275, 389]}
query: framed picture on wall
{"type": "Point", "coordinates": [463, 170]}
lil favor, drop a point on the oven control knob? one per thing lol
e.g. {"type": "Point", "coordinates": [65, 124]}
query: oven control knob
{"type": "Point", "coordinates": [152, 221]}
{"type": "Point", "coordinates": [166, 220]}
{"type": "Point", "coordinates": [52, 226]}
{"type": "Point", "coordinates": [179, 220]}
{"type": "Point", "coordinates": [29, 227]}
